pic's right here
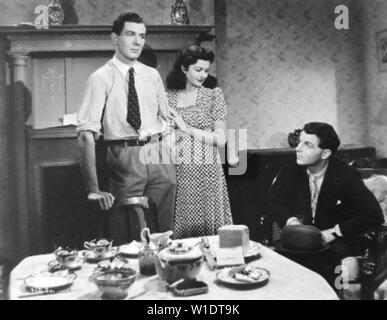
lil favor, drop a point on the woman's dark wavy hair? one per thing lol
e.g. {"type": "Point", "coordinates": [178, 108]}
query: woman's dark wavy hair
{"type": "Point", "coordinates": [176, 79]}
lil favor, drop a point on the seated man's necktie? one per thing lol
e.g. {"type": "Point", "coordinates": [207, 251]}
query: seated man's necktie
{"type": "Point", "coordinates": [315, 190]}
{"type": "Point", "coordinates": [133, 117]}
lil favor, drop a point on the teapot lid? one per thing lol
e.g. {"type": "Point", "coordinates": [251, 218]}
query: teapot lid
{"type": "Point", "coordinates": [179, 252]}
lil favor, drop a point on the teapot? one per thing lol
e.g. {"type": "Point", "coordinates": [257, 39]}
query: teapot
{"type": "Point", "coordinates": [178, 261]}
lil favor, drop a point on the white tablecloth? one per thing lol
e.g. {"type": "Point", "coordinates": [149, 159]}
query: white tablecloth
{"type": "Point", "coordinates": [288, 280]}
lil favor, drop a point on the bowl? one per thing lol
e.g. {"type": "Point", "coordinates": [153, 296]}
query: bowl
{"type": "Point", "coordinates": [114, 284]}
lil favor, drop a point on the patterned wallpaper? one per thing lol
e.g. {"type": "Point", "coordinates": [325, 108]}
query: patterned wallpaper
{"type": "Point", "coordinates": [104, 12]}
{"type": "Point", "coordinates": [374, 17]}
{"type": "Point", "coordinates": [282, 63]}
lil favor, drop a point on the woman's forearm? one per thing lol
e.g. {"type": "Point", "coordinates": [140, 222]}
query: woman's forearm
{"type": "Point", "coordinates": [216, 137]}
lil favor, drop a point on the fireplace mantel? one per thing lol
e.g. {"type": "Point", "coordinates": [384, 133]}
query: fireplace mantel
{"type": "Point", "coordinates": [26, 40]}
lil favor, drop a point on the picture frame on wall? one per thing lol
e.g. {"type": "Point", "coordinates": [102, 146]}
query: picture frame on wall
{"type": "Point", "coordinates": [381, 42]}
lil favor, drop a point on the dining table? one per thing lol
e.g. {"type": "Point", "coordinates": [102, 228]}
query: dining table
{"type": "Point", "coordinates": [287, 281]}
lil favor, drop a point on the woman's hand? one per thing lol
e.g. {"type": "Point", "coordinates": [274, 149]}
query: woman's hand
{"type": "Point", "coordinates": [169, 127]}
{"type": "Point", "coordinates": [179, 121]}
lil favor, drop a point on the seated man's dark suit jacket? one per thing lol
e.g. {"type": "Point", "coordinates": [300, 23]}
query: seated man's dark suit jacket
{"type": "Point", "coordinates": [343, 200]}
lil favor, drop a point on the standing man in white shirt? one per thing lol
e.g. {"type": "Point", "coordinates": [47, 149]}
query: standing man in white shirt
{"type": "Point", "coordinates": [125, 101]}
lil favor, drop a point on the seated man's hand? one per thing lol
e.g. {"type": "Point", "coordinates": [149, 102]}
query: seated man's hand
{"type": "Point", "coordinates": [293, 221]}
{"type": "Point", "coordinates": [105, 199]}
{"type": "Point", "coordinates": [327, 235]}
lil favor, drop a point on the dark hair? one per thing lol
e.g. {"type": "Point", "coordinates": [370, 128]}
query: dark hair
{"type": "Point", "coordinates": [211, 82]}
{"type": "Point", "coordinates": [326, 134]}
{"type": "Point", "coordinates": [176, 79]}
{"type": "Point", "coordinates": [119, 23]}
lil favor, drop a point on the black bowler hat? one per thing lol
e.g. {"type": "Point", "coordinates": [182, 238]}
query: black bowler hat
{"type": "Point", "coordinates": [301, 239]}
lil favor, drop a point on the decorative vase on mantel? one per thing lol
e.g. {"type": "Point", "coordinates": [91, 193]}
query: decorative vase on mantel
{"type": "Point", "coordinates": [294, 138]}
{"type": "Point", "coordinates": [179, 13]}
{"type": "Point", "coordinates": [55, 13]}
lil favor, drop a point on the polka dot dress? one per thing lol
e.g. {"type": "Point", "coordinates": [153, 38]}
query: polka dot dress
{"type": "Point", "coordinates": [202, 203]}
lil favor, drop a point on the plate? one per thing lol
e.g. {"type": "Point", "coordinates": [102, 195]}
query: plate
{"type": "Point", "coordinates": [131, 249]}
{"type": "Point", "coordinates": [229, 277]}
{"type": "Point", "coordinates": [47, 281]}
{"type": "Point", "coordinates": [91, 257]}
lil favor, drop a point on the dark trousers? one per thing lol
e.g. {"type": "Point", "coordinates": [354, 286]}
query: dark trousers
{"type": "Point", "coordinates": [135, 172]}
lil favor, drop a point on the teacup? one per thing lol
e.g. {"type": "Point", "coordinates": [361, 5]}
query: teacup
{"type": "Point", "coordinates": [68, 258]}
{"type": "Point", "coordinates": [63, 254]}
{"type": "Point", "coordinates": [100, 248]}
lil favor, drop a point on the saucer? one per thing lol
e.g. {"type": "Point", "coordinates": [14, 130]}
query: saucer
{"type": "Point", "coordinates": [76, 264]}
{"type": "Point", "coordinates": [91, 257]}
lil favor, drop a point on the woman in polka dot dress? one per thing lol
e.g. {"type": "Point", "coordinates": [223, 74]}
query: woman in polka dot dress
{"type": "Point", "coordinates": [202, 203]}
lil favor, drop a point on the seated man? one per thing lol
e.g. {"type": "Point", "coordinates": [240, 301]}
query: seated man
{"type": "Point", "coordinates": [323, 191]}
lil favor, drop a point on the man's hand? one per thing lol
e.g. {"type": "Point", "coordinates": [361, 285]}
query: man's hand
{"type": "Point", "coordinates": [328, 236]}
{"type": "Point", "coordinates": [105, 199]}
{"type": "Point", "coordinates": [293, 221]}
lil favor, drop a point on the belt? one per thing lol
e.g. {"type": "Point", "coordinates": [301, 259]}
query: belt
{"type": "Point", "coordinates": [132, 142]}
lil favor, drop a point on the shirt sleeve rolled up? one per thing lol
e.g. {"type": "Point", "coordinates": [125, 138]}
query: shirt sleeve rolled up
{"type": "Point", "coordinates": [93, 103]}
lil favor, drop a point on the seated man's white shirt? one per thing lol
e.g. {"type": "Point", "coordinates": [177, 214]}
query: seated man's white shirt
{"type": "Point", "coordinates": [315, 188]}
